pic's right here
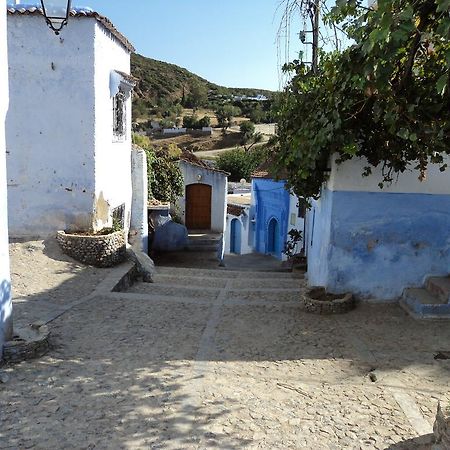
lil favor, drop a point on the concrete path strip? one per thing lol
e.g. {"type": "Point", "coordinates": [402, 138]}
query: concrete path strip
{"type": "Point", "coordinates": [420, 425]}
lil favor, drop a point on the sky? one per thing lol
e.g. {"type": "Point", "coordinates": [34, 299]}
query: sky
{"type": "Point", "coordinates": [229, 42]}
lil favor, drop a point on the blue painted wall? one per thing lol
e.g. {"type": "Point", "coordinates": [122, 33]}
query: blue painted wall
{"type": "Point", "coordinates": [375, 244]}
{"type": "Point", "coordinates": [271, 201]}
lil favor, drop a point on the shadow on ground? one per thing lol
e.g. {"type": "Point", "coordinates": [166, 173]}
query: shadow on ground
{"type": "Point", "coordinates": [126, 373]}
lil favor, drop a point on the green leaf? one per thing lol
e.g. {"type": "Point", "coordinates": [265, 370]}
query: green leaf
{"type": "Point", "coordinates": [443, 5]}
{"type": "Point", "coordinates": [403, 133]}
{"type": "Point", "coordinates": [441, 85]}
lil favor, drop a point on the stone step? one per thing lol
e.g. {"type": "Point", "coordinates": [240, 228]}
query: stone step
{"type": "Point", "coordinates": [439, 287]}
{"type": "Point", "coordinates": [203, 242]}
{"type": "Point", "coordinates": [202, 247]}
{"type": "Point", "coordinates": [228, 274]}
{"type": "Point", "coordinates": [234, 283]}
{"type": "Point", "coordinates": [421, 303]}
{"type": "Point", "coordinates": [159, 290]}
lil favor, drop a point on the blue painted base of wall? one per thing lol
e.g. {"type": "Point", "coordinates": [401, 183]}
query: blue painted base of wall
{"type": "Point", "coordinates": [420, 310]}
{"type": "Point", "coordinates": [377, 244]}
{"type": "Point", "coordinates": [5, 312]}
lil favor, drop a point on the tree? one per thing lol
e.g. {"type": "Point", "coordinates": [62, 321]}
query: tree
{"type": "Point", "coordinates": [198, 96]}
{"type": "Point", "coordinates": [225, 115]}
{"type": "Point", "coordinates": [240, 163]}
{"type": "Point", "coordinates": [385, 98]}
{"type": "Point", "coordinates": [249, 136]}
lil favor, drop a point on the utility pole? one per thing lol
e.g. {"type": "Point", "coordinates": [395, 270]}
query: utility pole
{"type": "Point", "coordinates": [312, 9]}
{"type": "Point", "coordinates": [315, 32]}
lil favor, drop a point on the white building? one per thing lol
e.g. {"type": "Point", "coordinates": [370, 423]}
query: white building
{"type": "Point", "coordinates": [204, 202]}
{"type": "Point", "coordinates": [68, 129]}
{"type": "Point", "coordinates": [5, 282]}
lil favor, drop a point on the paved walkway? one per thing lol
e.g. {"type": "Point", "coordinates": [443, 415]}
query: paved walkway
{"type": "Point", "coordinates": [226, 359]}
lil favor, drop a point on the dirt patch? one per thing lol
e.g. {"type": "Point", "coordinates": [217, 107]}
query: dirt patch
{"type": "Point", "coordinates": [322, 295]}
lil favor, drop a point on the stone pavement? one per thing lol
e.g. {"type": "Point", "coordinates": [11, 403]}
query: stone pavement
{"type": "Point", "coordinates": [226, 359]}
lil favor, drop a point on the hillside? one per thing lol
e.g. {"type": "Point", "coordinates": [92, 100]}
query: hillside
{"type": "Point", "coordinates": [159, 81]}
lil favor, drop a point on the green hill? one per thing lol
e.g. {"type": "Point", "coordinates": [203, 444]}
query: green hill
{"type": "Point", "coordinates": [160, 81]}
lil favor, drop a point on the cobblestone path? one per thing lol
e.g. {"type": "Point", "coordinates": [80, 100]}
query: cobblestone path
{"type": "Point", "coordinates": [220, 359]}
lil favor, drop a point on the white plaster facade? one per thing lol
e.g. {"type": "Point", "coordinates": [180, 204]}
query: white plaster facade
{"type": "Point", "coordinates": [244, 222]}
{"type": "Point", "coordinates": [5, 282]}
{"type": "Point", "coordinates": [218, 180]}
{"type": "Point", "coordinates": [66, 169]}
{"type": "Point", "coordinates": [139, 209]}
{"type": "Point", "coordinates": [347, 177]}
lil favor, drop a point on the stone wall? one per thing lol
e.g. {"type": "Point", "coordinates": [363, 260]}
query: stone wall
{"type": "Point", "coordinates": [442, 427]}
{"type": "Point", "coordinates": [99, 250]}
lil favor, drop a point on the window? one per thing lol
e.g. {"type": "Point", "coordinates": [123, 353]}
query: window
{"type": "Point", "coordinates": [302, 206]}
{"type": "Point", "coordinates": [119, 115]}
{"type": "Point", "coordinates": [118, 217]}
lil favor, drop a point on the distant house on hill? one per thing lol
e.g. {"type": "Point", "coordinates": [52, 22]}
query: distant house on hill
{"type": "Point", "coordinates": [68, 129]}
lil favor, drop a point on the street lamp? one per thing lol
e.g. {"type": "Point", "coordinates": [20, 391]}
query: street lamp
{"type": "Point", "coordinates": [56, 13]}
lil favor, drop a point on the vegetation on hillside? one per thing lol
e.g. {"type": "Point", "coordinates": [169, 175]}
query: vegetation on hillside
{"type": "Point", "coordinates": [385, 98]}
{"type": "Point", "coordinates": [163, 90]}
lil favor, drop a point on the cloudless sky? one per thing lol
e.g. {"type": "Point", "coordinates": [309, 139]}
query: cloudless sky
{"type": "Point", "coordinates": [228, 42]}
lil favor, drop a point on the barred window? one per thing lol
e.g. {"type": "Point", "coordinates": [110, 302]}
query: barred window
{"type": "Point", "coordinates": [118, 216]}
{"type": "Point", "coordinates": [119, 115]}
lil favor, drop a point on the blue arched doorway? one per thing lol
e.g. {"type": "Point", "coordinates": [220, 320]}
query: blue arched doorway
{"type": "Point", "coordinates": [273, 236]}
{"type": "Point", "coordinates": [235, 236]}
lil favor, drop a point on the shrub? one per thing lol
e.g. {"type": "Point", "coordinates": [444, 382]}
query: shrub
{"type": "Point", "coordinates": [239, 163]}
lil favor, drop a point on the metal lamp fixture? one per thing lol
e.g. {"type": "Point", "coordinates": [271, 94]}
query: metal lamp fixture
{"type": "Point", "coordinates": [56, 13]}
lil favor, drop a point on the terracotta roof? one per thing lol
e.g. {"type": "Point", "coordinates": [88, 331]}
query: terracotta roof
{"type": "Point", "coordinates": [265, 170]}
{"type": "Point", "coordinates": [235, 210]}
{"type": "Point", "coordinates": [76, 12]}
{"type": "Point", "coordinates": [190, 158]}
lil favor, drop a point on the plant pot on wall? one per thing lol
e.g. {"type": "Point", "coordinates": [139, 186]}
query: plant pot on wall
{"type": "Point", "coordinates": [103, 249]}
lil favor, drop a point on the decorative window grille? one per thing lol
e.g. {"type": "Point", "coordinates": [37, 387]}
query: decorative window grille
{"type": "Point", "coordinates": [118, 216]}
{"type": "Point", "coordinates": [119, 115]}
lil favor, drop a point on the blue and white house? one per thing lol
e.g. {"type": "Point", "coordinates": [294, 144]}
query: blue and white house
{"type": "Point", "coordinates": [274, 212]}
{"type": "Point", "coordinates": [373, 242]}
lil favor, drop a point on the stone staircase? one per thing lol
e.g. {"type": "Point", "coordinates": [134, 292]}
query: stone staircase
{"type": "Point", "coordinates": [430, 302]}
{"type": "Point", "coordinates": [205, 286]}
{"type": "Point", "coordinates": [203, 241]}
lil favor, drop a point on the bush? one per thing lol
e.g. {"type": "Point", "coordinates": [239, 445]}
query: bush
{"type": "Point", "coordinates": [239, 163]}
{"type": "Point", "coordinates": [195, 123]}
{"type": "Point", "coordinates": [165, 180]}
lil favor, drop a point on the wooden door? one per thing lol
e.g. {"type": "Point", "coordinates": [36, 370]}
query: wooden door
{"type": "Point", "coordinates": [198, 206]}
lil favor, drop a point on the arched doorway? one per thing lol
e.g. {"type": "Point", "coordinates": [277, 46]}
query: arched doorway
{"type": "Point", "coordinates": [198, 206]}
{"type": "Point", "coordinates": [235, 236]}
{"type": "Point", "coordinates": [273, 236]}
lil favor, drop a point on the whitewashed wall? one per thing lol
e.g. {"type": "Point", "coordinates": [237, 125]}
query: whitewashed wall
{"type": "Point", "coordinates": [294, 221]}
{"type": "Point", "coordinates": [5, 283]}
{"type": "Point", "coordinates": [113, 158]}
{"type": "Point", "coordinates": [347, 177]}
{"type": "Point", "coordinates": [245, 222]}
{"type": "Point", "coordinates": [139, 208]}
{"type": "Point", "coordinates": [50, 126]}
